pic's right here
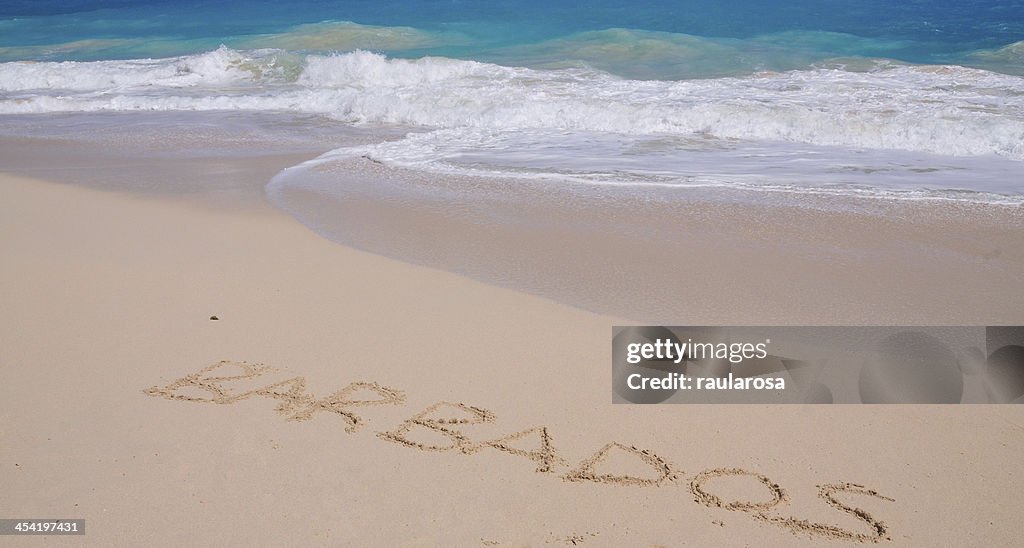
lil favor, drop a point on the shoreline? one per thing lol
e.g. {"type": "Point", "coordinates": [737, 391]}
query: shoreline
{"type": "Point", "coordinates": [676, 256]}
{"type": "Point", "coordinates": [697, 256]}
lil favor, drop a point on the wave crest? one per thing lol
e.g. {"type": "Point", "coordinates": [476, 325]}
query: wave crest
{"type": "Point", "coordinates": [940, 109]}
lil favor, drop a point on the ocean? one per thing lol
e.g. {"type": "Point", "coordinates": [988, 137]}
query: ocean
{"type": "Point", "coordinates": [913, 100]}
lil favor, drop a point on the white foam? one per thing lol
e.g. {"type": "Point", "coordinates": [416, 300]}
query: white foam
{"type": "Point", "coordinates": [215, 68]}
{"type": "Point", "coordinates": [941, 110]}
{"type": "Point", "coordinates": [645, 161]}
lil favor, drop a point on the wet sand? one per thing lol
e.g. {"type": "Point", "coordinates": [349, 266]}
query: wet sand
{"type": "Point", "coordinates": [683, 256]}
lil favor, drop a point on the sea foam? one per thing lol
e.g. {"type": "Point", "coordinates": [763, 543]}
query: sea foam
{"type": "Point", "coordinates": [947, 110]}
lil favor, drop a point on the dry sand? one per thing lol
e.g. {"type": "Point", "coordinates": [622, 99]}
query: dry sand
{"type": "Point", "coordinates": [107, 300]}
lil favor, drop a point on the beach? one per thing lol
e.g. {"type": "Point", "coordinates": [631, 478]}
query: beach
{"type": "Point", "coordinates": [109, 295]}
{"type": "Point", "coordinates": [350, 273]}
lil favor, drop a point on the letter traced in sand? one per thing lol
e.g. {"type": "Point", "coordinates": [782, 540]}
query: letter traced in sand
{"type": "Point", "coordinates": [545, 456]}
{"type": "Point", "coordinates": [299, 406]}
{"type": "Point", "coordinates": [586, 469]}
{"type": "Point", "coordinates": [429, 419]}
{"type": "Point", "coordinates": [706, 498]}
{"type": "Point", "coordinates": [211, 385]}
{"type": "Point", "coordinates": [296, 404]}
{"type": "Point", "coordinates": [827, 492]}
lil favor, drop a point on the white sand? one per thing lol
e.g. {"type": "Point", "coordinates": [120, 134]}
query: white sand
{"type": "Point", "coordinates": [105, 295]}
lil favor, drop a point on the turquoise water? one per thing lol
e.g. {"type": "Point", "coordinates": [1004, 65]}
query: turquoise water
{"type": "Point", "coordinates": [912, 31]}
{"type": "Point", "coordinates": [911, 99]}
